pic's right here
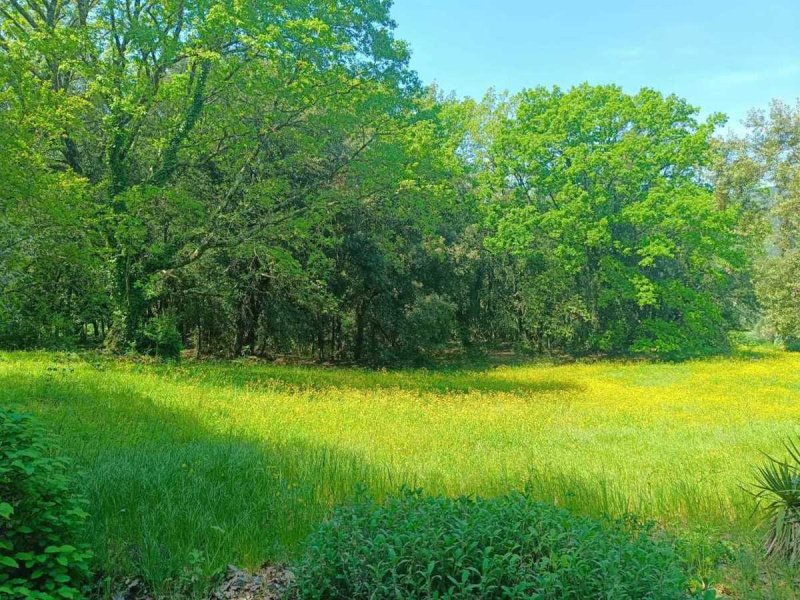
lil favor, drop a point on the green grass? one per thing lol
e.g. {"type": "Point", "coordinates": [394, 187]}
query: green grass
{"type": "Point", "coordinates": [239, 460]}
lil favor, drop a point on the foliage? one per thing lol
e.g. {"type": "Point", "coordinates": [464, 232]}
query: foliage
{"type": "Point", "coordinates": [41, 517]}
{"type": "Point", "coordinates": [604, 198]}
{"type": "Point", "coordinates": [768, 168]}
{"type": "Point", "coordinates": [202, 160]}
{"type": "Point", "coordinates": [431, 323]}
{"type": "Point", "coordinates": [413, 546]}
{"type": "Point", "coordinates": [778, 492]}
{"type": "Point", "coordinates": [778, 291]}
{"type": "Point", "coordinates": [274, 177]}
{"type": "Point", "coordinates": [162, 334]}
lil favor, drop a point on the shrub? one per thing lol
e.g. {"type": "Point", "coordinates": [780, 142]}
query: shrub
{"type": "Point", "coordinates": [774, 285]}
{"type": "Point", "coordinates": [792, 344]}
{"type": "Point", "coordinates": [414, 546]}
{"type": "Point", "coordinates": [429, 324]}
{"type": "Point", "coordinates": [778, 491]}
{"type": "Point", "coordinates": [41, 517]}
{"type": "Point", "coordinates": [162, 337]}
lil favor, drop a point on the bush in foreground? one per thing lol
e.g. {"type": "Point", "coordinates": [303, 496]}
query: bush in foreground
{"type": "Point", "coordinates": [778, 492]}
{"type": "Point", "coordinates": [41, 517]}
{"type": "Point", "coordinates": [414, 546]}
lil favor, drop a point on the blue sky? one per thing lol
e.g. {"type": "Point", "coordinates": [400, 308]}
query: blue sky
{"type": "Point", "coordinates": [727, 56]}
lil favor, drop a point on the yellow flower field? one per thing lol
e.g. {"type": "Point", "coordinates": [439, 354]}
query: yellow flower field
{"type": "Point", "coordinates": [237, 461]}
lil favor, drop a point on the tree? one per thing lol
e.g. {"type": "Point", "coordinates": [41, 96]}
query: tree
{"type": "Point", "coordinates": [605, 201]}
{"type": "Point", "coordinates": [770, 153]}
{"type": "Point", "coordinates": [270, 177]}
{"type": "Point", "coordinates": [49, 281]}
{"type": "Point", "coordinates": [197, 126]}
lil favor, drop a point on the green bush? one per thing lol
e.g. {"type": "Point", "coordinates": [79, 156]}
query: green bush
{"type": "Point", "coordinates": [777, 490]}
{"type": "Point", "coordinates": [792, 344]}
{"type": "Point", "coordinates": [414, 546]}
{"type": "Point", "coordinates": [41, 517]}
{"type": "Point", "coordinates": [162, 337]}
{"type": "Point", "coordinates": [428, 326]}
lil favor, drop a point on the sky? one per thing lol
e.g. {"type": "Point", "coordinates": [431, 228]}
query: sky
{"type": "Point", "coordinates": [723, 56]}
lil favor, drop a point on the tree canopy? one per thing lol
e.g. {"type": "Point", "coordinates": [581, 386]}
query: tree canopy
{"type": "Point", "coordinates": [271, 177]}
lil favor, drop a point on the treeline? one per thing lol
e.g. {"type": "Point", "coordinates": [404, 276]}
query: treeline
{"type": "Point", "coordinates": [271, 177]}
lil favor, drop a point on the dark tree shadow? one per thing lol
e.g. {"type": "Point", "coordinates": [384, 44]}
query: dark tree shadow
{"type": "Point", "coordinates": [258, 375]}
{"type": "Point", "coordinates": [168, 493]}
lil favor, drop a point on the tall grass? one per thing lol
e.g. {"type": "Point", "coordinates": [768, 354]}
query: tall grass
{"type": "Point", "coordinates": [231, 462]}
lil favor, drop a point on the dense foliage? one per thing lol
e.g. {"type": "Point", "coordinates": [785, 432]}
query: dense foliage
{"type": "Point", "coordinates": [414, 546]}
{"type": "Point", "coordinates": [270, 177]}
{"type": "Point", "coordinates": [769, 162]}
{"type": "Point", "coordinates": [41, 517]}
{"type": "Point", "coordinates": [602, 199]}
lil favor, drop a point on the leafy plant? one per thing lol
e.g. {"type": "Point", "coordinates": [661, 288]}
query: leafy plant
{"type": "Point", "coordinates": [778, 492]}
{"type": "Point", "coordinates": [163, 337]}
{"type": "Point", "coordinates": [41, 517]}
{"type": "Point", "coordinates": [414, 546]}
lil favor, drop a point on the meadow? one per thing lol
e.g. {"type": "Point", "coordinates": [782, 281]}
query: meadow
{"type": "Point", "coordinates": [193, 466]}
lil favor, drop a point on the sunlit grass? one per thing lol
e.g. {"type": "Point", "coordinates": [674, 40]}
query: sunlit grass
{"type": "Point", "coordinates": [240, 460]}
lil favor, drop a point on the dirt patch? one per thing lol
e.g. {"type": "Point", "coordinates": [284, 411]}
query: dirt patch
{"type": "Point", "coordinates": [268, 583]}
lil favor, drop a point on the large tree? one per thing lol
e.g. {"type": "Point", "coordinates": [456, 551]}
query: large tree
{"type": "Point", "coordinates": [766, 170]}
{"type": "Point", "coordinates": [198, 127]}
{"type": "Point", "coordinates": [605, 202]}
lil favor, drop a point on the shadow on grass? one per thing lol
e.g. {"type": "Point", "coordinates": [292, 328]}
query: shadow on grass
{"type": "Point", "coordinates": [260, 376]}
{"type": "Point", "coordinates": [166, 491]}
{"type": "Point", "coordinates": [749, 353]}
{"type": "Point", "coordinates": [167, 494]}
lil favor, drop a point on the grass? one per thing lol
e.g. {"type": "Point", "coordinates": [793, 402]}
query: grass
{"type": "Point", "coordinates": [209, 463]}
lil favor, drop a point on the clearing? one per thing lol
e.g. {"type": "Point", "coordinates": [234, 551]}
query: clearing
{"type": "Point", "coordinates": [210, 463]}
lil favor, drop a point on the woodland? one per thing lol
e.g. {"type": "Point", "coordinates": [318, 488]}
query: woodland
{"type": "Point", "coordinates": [269, 179]}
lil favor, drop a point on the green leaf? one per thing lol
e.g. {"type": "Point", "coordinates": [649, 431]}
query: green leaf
{"type": "Point", "coordinates": [24, 556]}
{"type": "Point", "coordinates": [9, 562]}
